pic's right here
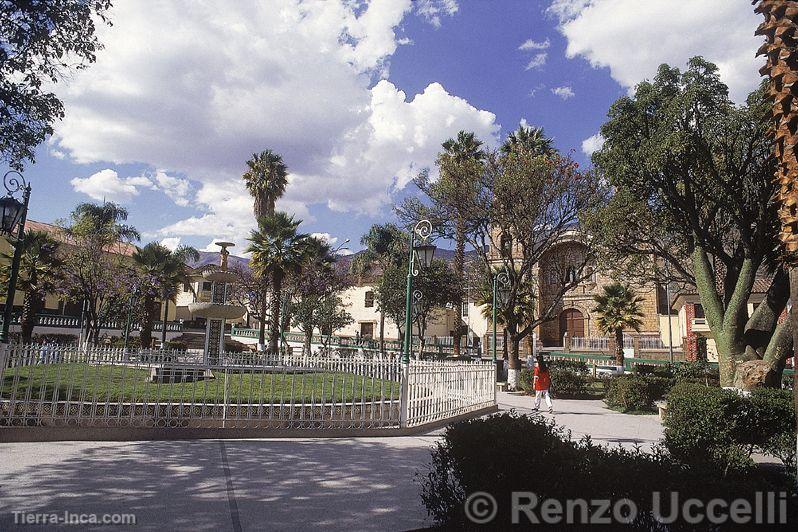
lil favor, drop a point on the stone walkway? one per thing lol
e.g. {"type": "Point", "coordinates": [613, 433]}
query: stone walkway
{"type": "Point", "coordinates": [288, 484]}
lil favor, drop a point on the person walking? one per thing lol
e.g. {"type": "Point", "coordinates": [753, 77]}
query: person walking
{"type": "Point", "coordinates": [542, 383]}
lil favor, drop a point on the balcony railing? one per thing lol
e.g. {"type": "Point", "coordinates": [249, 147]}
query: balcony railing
{"type": "Point", "coordinates": [73, 322]}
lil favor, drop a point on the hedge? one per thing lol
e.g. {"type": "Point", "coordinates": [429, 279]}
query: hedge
{"type": "Point", "coordinates": [635, 393]}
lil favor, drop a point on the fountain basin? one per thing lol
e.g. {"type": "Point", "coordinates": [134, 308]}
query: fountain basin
{"type": "Point", "coordinates": [216, 311]}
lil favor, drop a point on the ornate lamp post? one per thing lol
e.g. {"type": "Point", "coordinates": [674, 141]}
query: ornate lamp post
{"type": "Point", "coordinates": [13, 213]}
{"type": "Point", "coordinates": [500, 296]}
{"type": "Point", "coordinates": [421, 255]}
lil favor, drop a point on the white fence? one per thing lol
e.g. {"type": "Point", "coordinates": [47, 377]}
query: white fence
{"type": "Point", "coordinates": [69, 386]}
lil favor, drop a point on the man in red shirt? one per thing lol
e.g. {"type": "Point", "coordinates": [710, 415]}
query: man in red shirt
{"type": "Point", "coordinates": [542, 383]}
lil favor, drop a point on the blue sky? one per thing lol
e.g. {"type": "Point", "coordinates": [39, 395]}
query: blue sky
{"type": "Point", "coordinates": [356, 96]}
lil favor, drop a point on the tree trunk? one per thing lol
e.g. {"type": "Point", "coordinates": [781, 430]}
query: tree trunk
{"type": "Point", "coordinates": [514, 364]}
{"type": "Point", "coordinates": [308, 340]}
{"type": "Point", "coordinates": [274, 333]}
{"type": "Point", "coordinates": [459, 271]}
{"type": "Point", "coordinates": [27, 321]}
{"type": "Point", "coordinates": [262, 326]}
{"type": "Point", "coordinates": [794, 319]}
{"type": "Point", "coordinates": [382, 332]}
{"type": "Point", "coordinates": [163, 323]}
{"type": "Point", "coordinates": [619, 348]}
{"type": "Point", "coordinates": [145, 333]}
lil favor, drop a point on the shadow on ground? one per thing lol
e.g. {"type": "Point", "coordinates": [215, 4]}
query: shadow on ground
{"type": "Point", "coordinates": [356, 484]}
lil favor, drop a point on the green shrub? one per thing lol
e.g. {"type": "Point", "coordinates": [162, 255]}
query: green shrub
{"type": "Point", "coordinates": [698, 371]}
{"type": "Point", "coordinates": [712, 425]}
{"type": "Point", "coordinates": [665, 371]}
{"type": "Point", "coordinates": [526, 380]}
{"type": "Point", "coordinates": [634, 393]}
{"type": "Point", "coordinates": [507, 452]}
{"type": "Point", "coordinates": [567, 383]}
{"type": "Point", "coordinates": [176, 345]}
{"type": "Point", "coordinates": [576, 366]}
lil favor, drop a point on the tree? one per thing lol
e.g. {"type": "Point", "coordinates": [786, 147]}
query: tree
{"type": "Point", "coordinates": [251, 290]}
{"type": "Point", "coordinates": [460, 164]}
{"type": "Point", "coordinates": [437, 284]}
{"type": "Point", "coordinates": [265, 179]}
{"type": "Point", "coordinates": [97, 242]}
{"type": "Point", "coordinates": [41, 43]}
{"type": "Point", "coordinates": [386, 245]}
{"type": "Point", "coordinates": [39, 274]}
{"type": "Point", "coordinates": [170, 272]}
{"type": "Point", "coordinates": [694, 180]}
{"type": "Point", "coordinates": [524, 219]}
{"type": "Point", "coordinates": [277, 250]}
{"type": "Point", "coordinates": [529, 138]}
{"type": "Point", "coordinates": [315, 301]}
{"type": "Point", "coordinates": [618, 308]}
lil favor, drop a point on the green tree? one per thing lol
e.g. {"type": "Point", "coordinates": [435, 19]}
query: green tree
{"type": "Point", "coordinates": [529, 138]}
{"type": "Point", "coordinates": [460, 164]}
{"type": "Point", "coordinates": [385, 246]}
{"type": "Point", "coordinates": [618, 308]}
{"type": "Point", "coordinates": [41, 43]}
{"type": "Point", "coordinates": [97, 242]}
{"type": "Point", "coordinates": [693, 175]}
{"type": "Point", "coordinates": [39, 274]}
{"type": "Point", "coordinates": [170, 271]}
{"type": "Point", "coordinates": [265, 179]}
{"type": "Point", "coordinates": [277, 250]}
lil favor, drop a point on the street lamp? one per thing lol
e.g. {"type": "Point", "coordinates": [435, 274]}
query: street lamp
{"type": "Point", "coordinates": [12, 220]}
{"type": "Point", "coordinates": [421, 255]}
{"type": "Point", "coordinates": [500, 296]}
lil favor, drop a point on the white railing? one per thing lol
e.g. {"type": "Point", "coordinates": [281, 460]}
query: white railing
{"type": "Point", "coordinates": [440, 390]}
{"type": "Point", "coordinates": [73, 322]}
{"type": "Point", "coordinates": [48, 385]}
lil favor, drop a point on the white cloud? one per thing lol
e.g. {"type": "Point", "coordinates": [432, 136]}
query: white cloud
{"type": "Point", "coordinates": [565, 92]}
{"type": "Point", "coordinates": [531, 44]}
{"type": "Point", "coordinates": [431, 10]}
{"type": "Point", "coordinates": [632, 38]}
{"type": "Point", "coordinates": [592, 144]}
{"type": "Point", "coordinates": [537, 61]}
{"type": "Point", "coordinates": [107, 185]}
{"type": "Point", "coordinates": [213, 85]}
{"type": "Point", "coordinates": [171, 242]}
{"type": "Point", "coordinates": [325, 237]}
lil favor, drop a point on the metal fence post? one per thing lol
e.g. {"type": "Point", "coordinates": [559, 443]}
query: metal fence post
{"type": "Point", "coordinates": [404, 388]}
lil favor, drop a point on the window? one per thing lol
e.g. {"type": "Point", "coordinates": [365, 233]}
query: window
{"type": "Point", "coordinates": [206, 286]}
{"type": "Point", "coordinates": [367, 330]}
{"type": "Point", "coordinates": [369, 299]}
{"type": "Point", "coordinates": [464, 311]}
{"type": "Point", "coordinates": [699, 311]}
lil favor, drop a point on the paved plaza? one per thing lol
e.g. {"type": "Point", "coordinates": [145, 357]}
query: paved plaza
{"type": "Point", "coordinates": [276, 484]}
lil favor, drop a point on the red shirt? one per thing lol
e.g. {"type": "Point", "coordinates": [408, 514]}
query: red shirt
{"type": "Point", "coordinates": [543, 381]}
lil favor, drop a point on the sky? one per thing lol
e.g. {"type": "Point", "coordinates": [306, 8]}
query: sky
{"type": "Point", "coordinates": [356, 96]}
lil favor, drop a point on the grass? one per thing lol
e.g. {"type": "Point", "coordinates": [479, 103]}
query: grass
{"type": "Point", "coordinates": [82, 382]}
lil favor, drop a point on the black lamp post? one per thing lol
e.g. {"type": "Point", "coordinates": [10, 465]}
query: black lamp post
{"type": "Point", "coordinates": [12, 220]}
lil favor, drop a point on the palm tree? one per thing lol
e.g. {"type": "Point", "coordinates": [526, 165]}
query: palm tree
{"type": "Point", "coordinates": [460, 160]}
{"type": "Point", "coordinates": [528, 138]}
{"type": "Point", "coordinates": [40, 270]}
{"type": "Point", "coordinates": [386, 246]}
{"type": "Point", "coordinates": [266, 180]}
{"type": "Point", "coordinates": [169, 270]}
{"type": "Point", "coordinates": [277, 250]}
{"type": "Point", "coordinates": [618, 308]}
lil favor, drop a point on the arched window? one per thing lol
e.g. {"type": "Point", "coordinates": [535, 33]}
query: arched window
{"type": "Point", "coordinates": [369, 302]}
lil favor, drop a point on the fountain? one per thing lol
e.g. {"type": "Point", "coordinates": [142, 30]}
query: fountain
{"type": "Point", "coordinates": [217, 310]}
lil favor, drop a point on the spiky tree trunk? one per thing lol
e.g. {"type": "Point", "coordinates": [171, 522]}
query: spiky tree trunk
{"type": "Point", "coordinates": [780, 29]}
{"type": "Point", "coordinates": [619, 347]}
{"type": "Point", "coordinates": [31, 305]}
{"type": "Point", "coordinates": [277, 291]}
{"type": "Point", "coordinates": [459, 270]}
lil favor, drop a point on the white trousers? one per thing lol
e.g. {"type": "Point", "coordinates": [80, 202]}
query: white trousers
{"type": "Point", "coordinates": [542, 394]}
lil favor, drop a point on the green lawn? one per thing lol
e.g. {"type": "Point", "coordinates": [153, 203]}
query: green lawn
{"type": "Point", "coordinates": [82, 382]}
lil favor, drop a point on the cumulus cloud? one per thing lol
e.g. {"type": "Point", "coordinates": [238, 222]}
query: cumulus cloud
{"type": "Point", "coordinates": [633, 38]}
{"type": "Point", "coordinates": [537, 61]}
{"type": "Point", "coordinates": [107, 185]}
{"type": "Point", "coordinates": [213, 85]}
{"type": "Point", "coordinates": [592, 144]}
{"type": "Point", "coordinates": [171, 242]}
{"type": "Point", "coordinates": [565, 92]}
{"type": "Point", "coordinates": [325, 237]}
{"type": "Point", "coordinates": [531, 44]}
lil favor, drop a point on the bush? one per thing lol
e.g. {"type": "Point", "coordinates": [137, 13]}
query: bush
{"type": "Point", "coordinates": [665, 371]}
{"type": "Point", "coordinates": [567, 383]}
{"type": "Point", "coordinates": [576, 366]}
{"type": "Point", "coordinates": [698, 371]}
{"type": "Point", "coordinates": [635, 393]}
{"type": "Point", "coordinates": [507, 452]}
{"type": "Point", "coordinates": [709, 425]}
{"type": "Point", "coordinates": [176, 345]}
